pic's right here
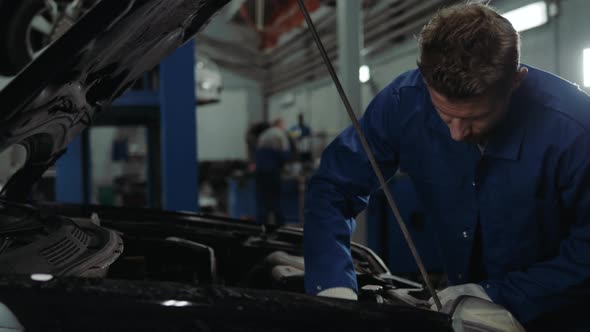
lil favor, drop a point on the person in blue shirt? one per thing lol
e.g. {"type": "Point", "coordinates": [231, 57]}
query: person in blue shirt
{"type": "Point", "coordinates": [302, 134]}
{"type": "Point", "coordinates": [499, 154]}
{"type": "Point", "coordinates": [300, 130]}
{"type": "Point", "coordinates": [273, 149]}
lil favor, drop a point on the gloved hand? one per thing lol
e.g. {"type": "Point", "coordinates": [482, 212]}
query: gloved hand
{"type": "Point", "coordinates": [449, 294]}
{"type": "Point", "coordinates": [339, 293]}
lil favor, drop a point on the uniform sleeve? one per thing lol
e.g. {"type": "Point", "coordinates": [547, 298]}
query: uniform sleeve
{"type": "Point", "coordinates": [340, 190]}
{"type": "Point", "coordinates": [555, 284]}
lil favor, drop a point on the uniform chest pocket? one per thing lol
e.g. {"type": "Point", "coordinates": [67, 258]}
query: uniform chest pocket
{"type": "Point", "coordinates": [434, 170]}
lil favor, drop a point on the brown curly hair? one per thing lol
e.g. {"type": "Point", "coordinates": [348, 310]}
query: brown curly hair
{"type": "Point", "coordinates": [468, 50]}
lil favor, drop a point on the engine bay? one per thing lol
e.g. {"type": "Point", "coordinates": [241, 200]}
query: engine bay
{"type": "Point", "coordinates": [267, 262]}
{"type": "Point", "coordinates": [163, 251]}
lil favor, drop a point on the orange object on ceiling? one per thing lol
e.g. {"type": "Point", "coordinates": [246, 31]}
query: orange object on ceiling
{"type": "Point", "coordinates": [286, 16]}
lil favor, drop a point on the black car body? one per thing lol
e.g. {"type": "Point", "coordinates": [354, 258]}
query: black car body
{"type": "Point", "coordinates": [66, 267]}
{"type": "Point", "coordinates": [182, 271]}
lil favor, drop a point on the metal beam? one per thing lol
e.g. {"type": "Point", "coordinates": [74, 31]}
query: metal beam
{"type": "Point", "coordinates": [295, 61]}
{"type": "Point", "coordinates": [325, 27]}
{"type": "Point", "coordinates": [350, 30]}
{"type": "Point", "coordinates": [245, 52]}
{"type": "Point", "coordinates": [424, 8]}
{"type": "Point", "coordinates": [232, 8]}
{"type": "Point", "coordinates": [288, 75]}
{"type": "Point", "coordinates": [260, 15]}
{"type": "Point", "coordinates": [178, 131]}
{"type": "Point", "coordinates": [288, 72]}
{"type": "Point", "coordinates": [380, 14]}
{"type": "Point", "coordinates": [72, 178]}
{"type": "Point", "coordinates": [349, 50]}
{"type": "Point", "coordinates": [300, 67]}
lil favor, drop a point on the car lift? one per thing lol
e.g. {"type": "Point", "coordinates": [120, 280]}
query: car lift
{"type": "Point", "coordinates": [178, 152]}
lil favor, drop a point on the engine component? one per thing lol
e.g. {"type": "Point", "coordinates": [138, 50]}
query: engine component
{"type": "Point", "coordinates": [282, 258]}
{"type": "Point", "coordinates": [200, 247]}
{"type": "Point", "coordinates": [59, 246]}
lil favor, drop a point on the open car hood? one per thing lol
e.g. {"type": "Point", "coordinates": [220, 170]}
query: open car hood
{"type": "Point", "coordinates": [56, 96]}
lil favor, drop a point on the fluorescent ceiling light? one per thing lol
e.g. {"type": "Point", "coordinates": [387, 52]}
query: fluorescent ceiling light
{"type": "Point", "coordinates": [364, 74]}
{"type": "Point", "coordinates": [529, 16]}
{"type": "Point", "coordinates": [41, 277]}
{"type": "Point", "coordinates": [586, 67]}
{"type": "Point", "coordinates": [181, 304]}
{"type": "Point", "coordinates": [174, 303]}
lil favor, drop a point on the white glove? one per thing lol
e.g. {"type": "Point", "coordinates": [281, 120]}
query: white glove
{"type": "Point", "coordinates": [339, 293]}
{"type": "Point", "coordinates": [449, 294]}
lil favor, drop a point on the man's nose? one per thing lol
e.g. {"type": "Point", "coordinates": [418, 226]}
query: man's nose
{"type": "Point", "coordinates": [459, 129]}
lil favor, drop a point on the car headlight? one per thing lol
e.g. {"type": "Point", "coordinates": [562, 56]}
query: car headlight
{"type": "Point", "coordinates": [472, 314]}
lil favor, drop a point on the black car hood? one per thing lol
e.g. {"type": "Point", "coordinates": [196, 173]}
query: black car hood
{"type": "Point", "coordinates": [56, 96]}
{"type": "Point", "coordinates": [71, 304]}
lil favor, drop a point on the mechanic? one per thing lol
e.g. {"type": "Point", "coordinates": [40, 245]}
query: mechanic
{"type": "Point", "coordinates": [272, 151]}
{"type": "Point", "coordinates": [499, 153]}
{"type": "Point", "coordinates": [302, 134]}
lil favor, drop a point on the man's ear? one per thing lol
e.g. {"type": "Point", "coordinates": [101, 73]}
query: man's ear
{"type": "Point", "coordinates": [519, 78]}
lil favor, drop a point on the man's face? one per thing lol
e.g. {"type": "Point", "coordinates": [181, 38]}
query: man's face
{"type": "Point", "coordinates": [470, 120]}
{"type": "Point", "coordinates": [473, 120]}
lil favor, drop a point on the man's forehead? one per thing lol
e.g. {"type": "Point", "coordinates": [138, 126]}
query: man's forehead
{"type": "Point", "coordinates": [466, 108]}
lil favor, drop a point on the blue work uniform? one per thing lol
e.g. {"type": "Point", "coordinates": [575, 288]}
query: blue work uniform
{"type": "Point", "coordinates": [272, 151]}
{"type": "Point", "coordinates": [526, 197]}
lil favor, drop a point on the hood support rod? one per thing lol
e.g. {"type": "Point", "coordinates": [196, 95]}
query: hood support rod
{"type": "Point", "coordinates": [370, 155]}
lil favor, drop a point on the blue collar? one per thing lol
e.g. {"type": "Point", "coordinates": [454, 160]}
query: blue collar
{"type": "Point", "coordinates": [506, 141]}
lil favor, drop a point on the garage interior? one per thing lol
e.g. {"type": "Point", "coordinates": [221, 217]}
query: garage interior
{"type": "Point", "coordinates": [184, 136]}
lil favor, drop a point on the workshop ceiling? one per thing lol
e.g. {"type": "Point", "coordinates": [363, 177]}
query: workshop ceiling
{"type": "Point", "coordinates": [273, 18]}
{"type": "Point", "coordinates": [284, 54]}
